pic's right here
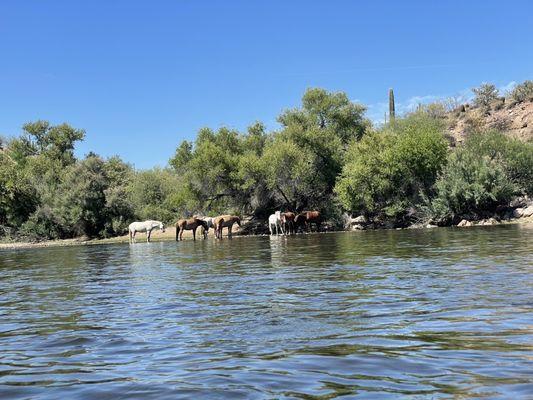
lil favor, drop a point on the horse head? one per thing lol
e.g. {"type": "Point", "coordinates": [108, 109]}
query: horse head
{"type": "Point", "coordinates": [162, 227]}
{"type": "Point", "coordinates": [237, 220]}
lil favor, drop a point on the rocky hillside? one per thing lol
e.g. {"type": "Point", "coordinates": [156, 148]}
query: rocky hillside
{"type": "Point", "coordinates": [516, 119]}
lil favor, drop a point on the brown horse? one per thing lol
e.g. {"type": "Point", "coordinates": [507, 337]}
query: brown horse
{"type": "Point", "coordinates": [287, 220]}
{"type": "Point", "coordinates": [225, 221]}
{"type": "Point", "coordinates": [306, 218]}
{"type": "Point", "coordinates": [190, 224]}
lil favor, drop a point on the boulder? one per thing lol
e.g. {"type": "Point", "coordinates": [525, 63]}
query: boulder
{"type": "Point", "coordinates": [527, 212]}
{"type": "Point", "coordinates": [465, 222]}
{"type": "Point", "coordinates": [517, 212]}
{"type": "Point", "coordinates": [521, 201]}
{"type": "Point", "coordinates": [523, 212]}
{"type": "Point", "coordinates": [489, 221]}
{"type": "Point", "coordinates": [359, 220]}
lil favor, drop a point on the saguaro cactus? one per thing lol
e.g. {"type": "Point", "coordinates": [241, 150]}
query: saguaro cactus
{"type": "Point", "coordinates": [392, 111]}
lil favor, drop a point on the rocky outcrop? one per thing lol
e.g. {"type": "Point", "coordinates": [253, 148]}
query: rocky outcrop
{"type": "Point", "coordinates": [489, 221]}
{"type": "Point", "coordinates": [523, 212]}
{"type": "Point", "coordinates": [355, 224]}
{"type": "Point", "coordinates": [465, 222]}
{"type": "Point", "coordinates": [515, 119]}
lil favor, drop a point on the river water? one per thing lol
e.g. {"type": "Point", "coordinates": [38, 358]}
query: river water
{"type": "Point", "coordinates": [441, 313]}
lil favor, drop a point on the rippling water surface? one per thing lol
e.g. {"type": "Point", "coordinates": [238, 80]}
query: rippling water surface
{"type": "Point", "coordinates": [444, 313]}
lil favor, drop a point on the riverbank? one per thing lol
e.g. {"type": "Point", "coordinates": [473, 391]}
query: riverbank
{"type": "Point", "coordinates": [170, 235]}
{"type": "Point", "coordinates": [157, 236]}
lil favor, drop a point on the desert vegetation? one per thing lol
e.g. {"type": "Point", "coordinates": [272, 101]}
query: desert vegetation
{"type": "Point", "coordinates": [325, 155]}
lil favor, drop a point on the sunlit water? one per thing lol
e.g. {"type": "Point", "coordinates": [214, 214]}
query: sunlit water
{"type": "Point", "coordinates": [443, 313]}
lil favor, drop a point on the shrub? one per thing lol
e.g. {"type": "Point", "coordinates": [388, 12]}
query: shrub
{"type": "Point", "coordinates": [501, 123]}
{"type": "Point", "coordinates": [388, 172]}
{"type": "Point", "coordinates": [485, 173]}
{"type": "Point", "coordinates": [485, 94]}
{"type": "Point", "coordinates": [43, 224]}
{"type": "Point", "coordinates": [515, 157]}
{"type": "Point", "coordinates": [522, 92]}
{"type": "Point", "coordinates": [474, 122]}
{"type": "Point", "coordinates": [469, 185]}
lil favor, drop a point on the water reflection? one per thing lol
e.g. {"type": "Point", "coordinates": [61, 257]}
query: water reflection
{"type": "Point", "coordinates": [430, 314]}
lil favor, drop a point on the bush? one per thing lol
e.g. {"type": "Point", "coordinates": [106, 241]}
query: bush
{"type": "Point", "coordinates": [158, 194]}
{"type": "Point", "coordinates": [514, 156]}
{"type": "Point", "coordinates": [469, 185]}
{"type": "Point", "coordinates": [485, 94]}
{"type": "Point", "coordinates": [43, 224]}
{"type": "Point", "coordinates": [501, 124]}
{"type": "Point", "coordinates": [388, 172]}
{"type": "Point", "coordinates": [522, 92]}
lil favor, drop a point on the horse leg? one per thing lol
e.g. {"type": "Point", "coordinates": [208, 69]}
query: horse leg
{"type": "Point", "coordinates": [148, 233]}
{"type": "Point", "coordinates": [177, 233]}
{"type": "Point", "coordinates": [194, 234]}
{"type": "Point", "coordinates": [229, 231]}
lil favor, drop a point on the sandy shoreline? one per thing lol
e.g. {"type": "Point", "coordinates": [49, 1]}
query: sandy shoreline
{"type": "Point", "coordinates": [157, 236]}
{"type": "Point", "coordinates": [170, 235]}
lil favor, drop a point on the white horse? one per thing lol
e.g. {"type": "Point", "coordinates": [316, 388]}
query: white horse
{"type": "Point", "coordinates": [274, 221]}
{"type": "Point", "coordinates": [210, 224]}
{"type": "Point", "coordinates": [146, 226]}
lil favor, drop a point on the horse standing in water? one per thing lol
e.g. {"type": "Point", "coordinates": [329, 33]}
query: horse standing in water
{"type": "Point", "coordinates": [225, 221]}
{"type": "Point", "coordinates": [274, 221]}
{"type": "Point", "coordinates": [146, 226]}
{"type": "Point", "coordinates": [287, 222]}
{"type": "Point", "coordinates": [210, 224]}
{"type": "Point", "coordinates": [190, 224]}
{"type": "Point", "coordinates": [306, 218]}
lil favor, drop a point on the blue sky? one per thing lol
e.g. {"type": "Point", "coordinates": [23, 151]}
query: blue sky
{"type": "Point", "coordinates": [140, 76]}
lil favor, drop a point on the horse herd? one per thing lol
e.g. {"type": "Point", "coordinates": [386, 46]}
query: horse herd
{"type": "Point", "coordinates": [286, 222]}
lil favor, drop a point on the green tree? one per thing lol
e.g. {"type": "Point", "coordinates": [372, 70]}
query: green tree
{"type": "Point", "coordinates": [288, 173]}
{"type": "Point", "coordinates": [158, 194]}
{"type": "Point", "coordinates": [182, 157]}
{"type": "Point", "coordinates": [56, 142]}
{"type": "Point", "coordinates": [82, 201]}
{"type": "Point", "coordinates": [320, 131]}
{"type": "Point", "coordinates": [17, 196]}
{"type": "Point", "coordinates": [390, 171]}
{"type": "Point", "coordinates": [328, 110]}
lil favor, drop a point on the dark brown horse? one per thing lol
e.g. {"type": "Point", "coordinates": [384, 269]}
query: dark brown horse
{"type": "Point", "coordinates": [190, 224]}
{"type": "Point", "coordinates": [225, 221]}
{"type": "Point", "coordinates": [306, 218]}
{"type": "Point", "coordinates": [287, 220]}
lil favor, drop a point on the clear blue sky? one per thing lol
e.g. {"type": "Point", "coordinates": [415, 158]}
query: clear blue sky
{"type": "Point", "coordinates": [140, 76]}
